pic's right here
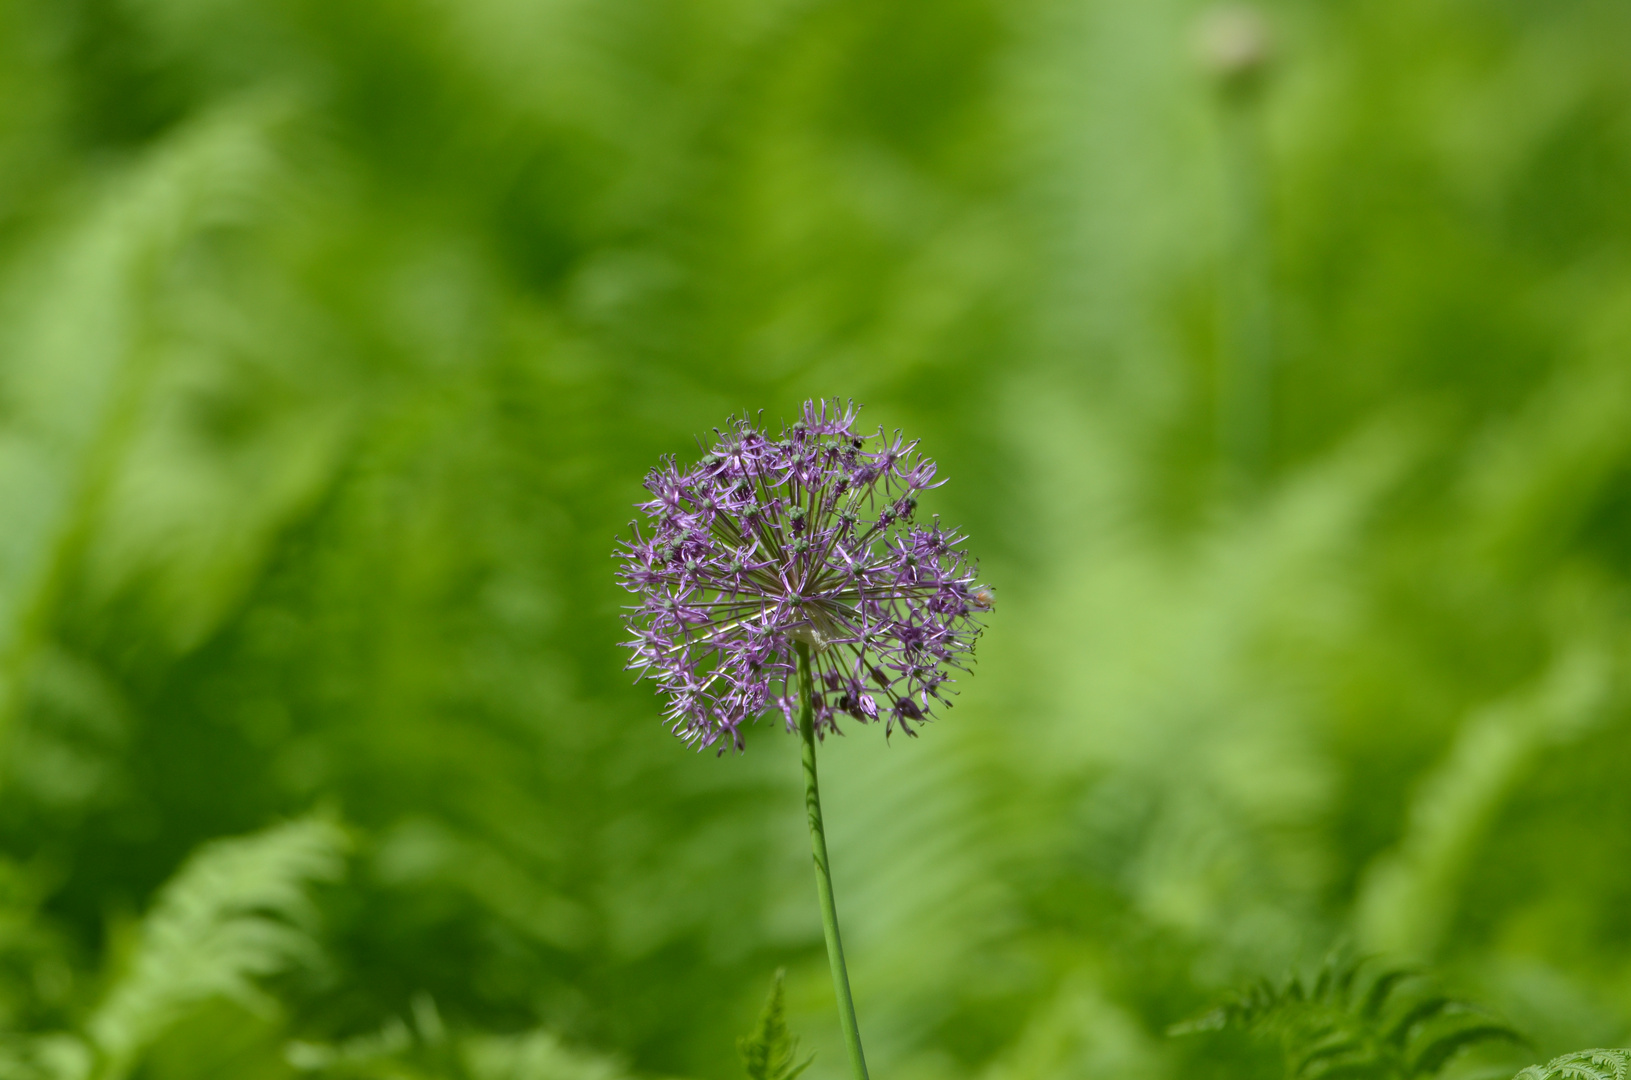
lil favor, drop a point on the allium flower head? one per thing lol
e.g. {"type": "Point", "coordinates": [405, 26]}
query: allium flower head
{"type": "Point", "coordinates": [810, 536]}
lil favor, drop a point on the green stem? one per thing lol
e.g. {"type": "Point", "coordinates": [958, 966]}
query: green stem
{"type": "Point", "coordinates": [818, 846]}
{"type": "Point", "coordinates": [1247, 398]}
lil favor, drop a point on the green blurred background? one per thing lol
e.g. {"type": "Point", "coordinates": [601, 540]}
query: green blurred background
{"type": "Point", "coordinates": [1292, 423]}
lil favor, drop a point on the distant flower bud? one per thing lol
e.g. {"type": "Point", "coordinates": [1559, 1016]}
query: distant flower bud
{"type": "Point", "coordinates": [1234, 45]}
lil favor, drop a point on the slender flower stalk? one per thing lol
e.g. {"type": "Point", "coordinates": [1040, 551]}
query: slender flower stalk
{"type": "Point", "coordinates": [823, 869]}
{"type": "Point", "coordinates": [1236, 48]}
{"type": "Point", "coordinates": [791, 574]}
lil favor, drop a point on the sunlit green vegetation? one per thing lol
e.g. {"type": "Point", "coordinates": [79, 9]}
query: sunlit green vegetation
{"type": "Point", "coordinates": [336, 337]}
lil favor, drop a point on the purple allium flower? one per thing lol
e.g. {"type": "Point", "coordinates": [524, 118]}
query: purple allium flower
{"type": "Point", "coordinates": [808, 537]}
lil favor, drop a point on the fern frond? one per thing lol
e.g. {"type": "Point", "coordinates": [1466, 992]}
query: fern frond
{"type": "Point", "coordinates": [238, 911]}
{"type": "Point", "coordinates": [424, 1050]}
{"type": "Point", "coordinates": [1381, 988]}
{"type": "Point", "coordinates": [44, 1057]}
{"type": "Point", "coordinates": [1433, 1057]}
{"type": "Point", "coordinates": [1414, 1017]}
{"type": "Point", "coordinates": [360, 1055]}
{"type": "Point", "coordinates": [1336, 1026]}
{"type": "Point", "coordinates": [768, 1053]}
{"type": "Point", "coordinates": [1598, 1064]}
{"type": "Point", "coordinates": [535, 1055]}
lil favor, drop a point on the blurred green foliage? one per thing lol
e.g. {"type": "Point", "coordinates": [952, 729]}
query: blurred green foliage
{"type": "Point", "coordinates": [336, 337]}
{"type": "Point", "coordinates": [770, 1051]}
{"type": "Point", "coordinates": [1356, 1020]}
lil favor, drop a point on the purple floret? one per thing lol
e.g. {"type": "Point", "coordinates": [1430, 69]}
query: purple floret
{"type": "Point", "coordinates": [808, 537]}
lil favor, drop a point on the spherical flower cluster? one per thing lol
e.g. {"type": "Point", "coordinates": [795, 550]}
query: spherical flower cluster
{"type": "Point", "coordinates": [807, 538]}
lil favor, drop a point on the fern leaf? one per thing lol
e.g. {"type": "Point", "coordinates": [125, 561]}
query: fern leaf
{"type": "Point", "coordinates": [768, 1053]}
{"type": "Point", "coordinates": [1322, 1058]}
{"type": "Point", "coordinates": [1381, 989]}
{"type": "Point", "coordinates": [1613, 1059]}
{"type": "Point", "coordinates": [425, 1049]}
{"type": "Point", "coordinates": [237, 912]}
{"type": "Point", "coordinates": [1342, 982]}
{"type": "Point", "coordinates": [1415, 1016]}
{"type": "Point", "coordinates": [1212, 1020]}
{"type": "Point", "coordinates": [1432, 1057]}
{"type": "Point", "coordinates": [536, 1055]}
{"type": "Point", "coordinates": [1598, 1064]}
{"type": "Point", "coordinates": [46, 1057]}
{"type": "Point", "coordinates": [1327, 1032]}
{"type": "Point", "coordinates": [1335, 976]}
{"type": "Point", "coordinates": [361, 1055]}
{"type": "Point", "coordinates": [1369, 1069]}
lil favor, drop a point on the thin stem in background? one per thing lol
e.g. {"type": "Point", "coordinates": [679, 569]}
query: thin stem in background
{"type": "Point", "coordinates": [818, 846]}
{"type": "Point", "coordinates": [1236, 49]}
{"type": "Point", "coordinates": [1247, 416]}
